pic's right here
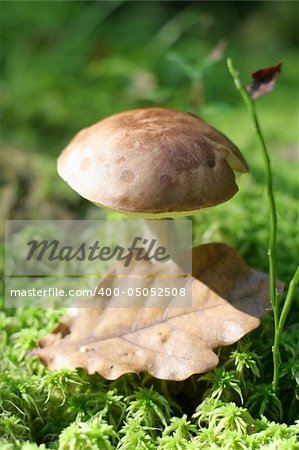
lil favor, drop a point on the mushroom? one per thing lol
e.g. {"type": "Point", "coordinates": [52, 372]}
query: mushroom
{"type": "Point", "coordinates": [152, 163]}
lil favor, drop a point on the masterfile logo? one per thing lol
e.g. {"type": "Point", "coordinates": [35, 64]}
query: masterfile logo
{"type": "Point", "coordinates": [140, 249]}
{"type": "Point", "coordinates": [59, 263]}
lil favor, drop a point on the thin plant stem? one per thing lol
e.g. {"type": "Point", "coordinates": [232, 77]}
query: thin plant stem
{"type": "Point", "coordinates": [287, 305]}
{"type": "Point", "coordinates": [279, 320]}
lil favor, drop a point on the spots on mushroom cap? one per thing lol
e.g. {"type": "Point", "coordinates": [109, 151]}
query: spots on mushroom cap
{"type": "Point", "coordinates": [85, 164]}
{"type": "Point", "coordinates": [164, 179]}
{"type": "Point", "coordinates": [127, 176]}
{"type": "Point", "coordinates": [207, 152]}
{"type": "Point", "coordinates": [210, 158]}
{"type": "Point", "coordinates": [198, 153]}
{"type": "Point", "coordinates": [184, 160]}
{"type": "Point", "coordinates": [121, 159]}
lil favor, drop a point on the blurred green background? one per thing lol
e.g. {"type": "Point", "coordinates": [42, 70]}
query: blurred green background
{"type": "Point", "coordinates": [67, 64]}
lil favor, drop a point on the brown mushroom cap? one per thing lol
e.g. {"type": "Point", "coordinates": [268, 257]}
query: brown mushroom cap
{"type": "Point", "coordinates": [152, 163]}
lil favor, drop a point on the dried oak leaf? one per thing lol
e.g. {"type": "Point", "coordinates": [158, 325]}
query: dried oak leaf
{"type": "Point", "coordinates": [263, 81]}
{"type": "Point", "coordinates": [228, 297]}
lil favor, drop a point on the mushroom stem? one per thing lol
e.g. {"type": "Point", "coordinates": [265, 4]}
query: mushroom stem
{"type": "Point", "coordinates": [163, 232]}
